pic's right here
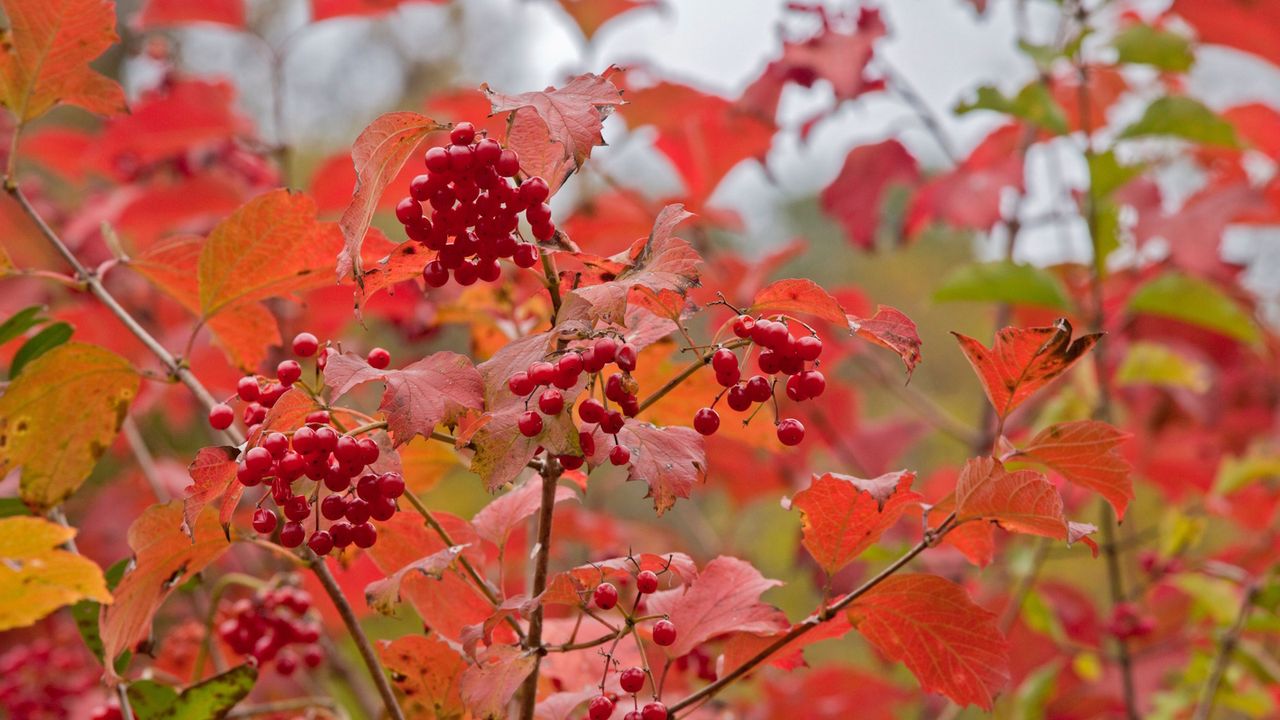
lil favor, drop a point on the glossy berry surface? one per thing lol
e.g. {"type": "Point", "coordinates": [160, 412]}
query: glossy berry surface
{"type": "Point", "coordinates": [632, 679]}
{"type": "Point", "coordinates": [221, 416]}
{"type": "Point", "coordinates": [605, 596]}
{"type": "Point", "coordinates": [664, 632]}
{"type": "Point", "coordinates": [646, 582]}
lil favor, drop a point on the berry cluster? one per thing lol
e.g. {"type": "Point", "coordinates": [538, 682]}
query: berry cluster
{"type": "Point", "coordinates": [554, 378]}
{"type": "Point", "coordinates": [266, 625]}
{"type": "Point", "coordinates": [40, 679]}
{"type": "Point", "coordinates": [632, 679]}
{"type": "Point", "coordinates": [474, 210]}
{"type": "Point", "coordinates": [780, 353]}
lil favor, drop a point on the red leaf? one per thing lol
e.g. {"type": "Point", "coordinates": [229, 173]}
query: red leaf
{"type": "Point", "coordinates": [325, 9]}
{"type": "Point", "coordinates": [969, 196]}
{"type": "Point", "coordinates": [890, 328]}
{"type": "Point", "coordinates": [47, 51]}
{"type": "Point", "coordinates": [950, 644]}
{"type": "Point", "coordinates": [744, 646]}
{"type": "Point", "coordinates": [1024, 360]}
{"type": "Point", "coordinates": [589, 15]}
{"type": "Point", "coordinates": [437, 389]}
{"type": "Point", "coordinates": [858, 193]}
{"type": "Point", "coordinates": [496, 520]}
{"type": "Point", "coordinates": [725, 598]}
{"type": "Point", "coordinates": [213, 475]}
{"type": "Point", "coordinates": [1243, 24]}
{"type": "Point", "coordinates": [574, 114]}
{"type": "Point", "coordinates": [841, 515]}
{"type": "Point", "coordinates": [383, 595]}
{"type": "Point", "coordinates": [541, 155]}
{"type": "Point", "coordinates": [163, 558]}
{"type": "Point", "coordinates": [798, 296]}
{"type": "Point", "coordinates": [668, 459]}
{"type": "Point", "coordinates": [571, 586]}
{"type": "Point", "coordinates": [1022, 501]}
{"type": "Point", "coordinates": [659, 262]}
{"type": "Point", "coordinates": [834, 692]}
{"type": "Point", "coordinates": [173, 121]}
{"type": "Point", "coordinates": [1084, 452]}
{"type": "Point", "coordinates": [378, 154]}
{"type": "Point", "coordinates": [489, 685]}
{"type": "Point", "coordinates": [428, 671]}
{"type": "Point", "coordinates": [162, 13]}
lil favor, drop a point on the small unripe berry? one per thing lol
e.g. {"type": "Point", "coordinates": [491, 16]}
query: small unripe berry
{"type": "Point", "coordinates": [664, 632]}
{"type": "Point", "coordinates": [221, 416]}
{"type": "Point", "coordinates": [605, 596]}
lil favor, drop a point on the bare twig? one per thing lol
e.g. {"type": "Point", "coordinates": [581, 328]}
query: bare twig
{"type": "Point", "coordinates": [550, 476]}
{"type": "Point", "coordinates": [1222, 660]}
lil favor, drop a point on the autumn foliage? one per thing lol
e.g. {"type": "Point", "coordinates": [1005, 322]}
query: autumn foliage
{"type": "Point", "coordinates": [471, 417]}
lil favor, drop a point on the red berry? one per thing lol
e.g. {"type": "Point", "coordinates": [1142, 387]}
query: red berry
{"type": "Point", "coordinates": [808, 348]}
{"type": "Point", "coordinates": [369, 451]}
{"type": "Point", "coordinates": [297, 508]}
{"type": "Point", "coordinates": [654, 711]}
{"type": "Point", "coordinates": [408, 210]}
{"type": "Point", "coordinates": [364, 535]}
{"type": "Point", "coordinates": [437, 160]}
{"type": "Point", "coordinates": [600, 708]}
{"type": "Point", "coordinates": [320, 542]}
{"type": "Point", "coordinates": [326, 438]}
{"type": "Point", "coordinates": [605, 596]}
{"type": "Point", "coordinates": [312, 657]}
{"type": "Point", "coordinates": [507, 164]}
{"type": "Point", "coordinates": [626, 357]}
{"type": "Point", "coordinates": [221, 416]}
{"type": "Point", "coordinates": [619, 455]}
{"type": "Point", "coordinates": [291, 534]}
{"type": "Point", "coordinates": [358, 511]}
{"type": "Point", "coordinates": [534, 190]}
{"type": "Point", "coordinates": [542, 373]}
{"type": "Point", "coordinates": [664, 632]}
{"type": "Point", "coordinates": [769, 362]}
{"type": "Point", "coordinates": [258, 460]}
{"type": "Point", "coordinates": [333, 507]}
{"type": "Point", "coordinates": [646, 582]}
{"type": "Point", "coordinates": [275, 443]}
{"type": "Point", "coordinates": [570, 364]}
{"type": "Point", "coordinates": [247, 388]}
{"type": "Point", "coordinates": [632, 680]}
{"type": "Point", "coordinates": [759, 389]}
{"type": "Point", "coordinates": [367, 488]}
{"type": "Point", "coordinates": [435, 275]}
{"type": "Point", "coordinates": [341, 534]}
{"type": "Point", "coordinates": [304, 440]}
{"type": "Point", "coordinates": [530, 423]}
{"type": "Point", "coordinates": [526, 255]}
{"type": "Point", "coordinates": [288, 372]}
{"type": "Point", "coordinates": [738, 399]}
{"type": "Point", "coordinates": [612, 422]}
{"type": "Point", "coordinates": [382, 509]}
{"type": "Point", "coordinates": [795, 389]}
{"type": "Point", "coordinates": [728, 379]}
{"type": "Point", "coordinates": [264, 521]}
{"type": "Point", "coordinates": [591, 411]}
{"type": "Point", "coordinates": [724, 361]}
{"type": "Point", "coordinates": [378, 358]}
{"type": "Point", "coordinates": [551, 402]}
{"type": "Point", "coordinates": [606, 349]}
{"type": "Point", "coordinates": [520, 384]}
{"type": "Point", "coordinates": [488, 151]}
{"type": "Point", "coordinates": [742, 326]}
{"type": "Point", "coordinates": [813, 382]}
{"type": "Point", "coordinates": [790, 431]}
{"type": "Point", "coordinates": [391, 485]}
{"type": "Point", "coordinates": [570, 462]}
{"type": "Point", "coordinates": [706, 421]}
{"type": "Point", "coordinates": [287, 662]}
{"type": "Point", "coordinates": [462, 134]}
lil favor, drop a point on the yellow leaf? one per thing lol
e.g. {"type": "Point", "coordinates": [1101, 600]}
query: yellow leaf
{"type": "Point", "coordinates": [60, 415]}
{"type": "Point", "coordinates": [39, 577]}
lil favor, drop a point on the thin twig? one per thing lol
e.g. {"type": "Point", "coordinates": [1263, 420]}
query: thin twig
{"type": "Point", "coordinates": [899, 86]}
{"type": "Point", "coordinates": [550, 477]}
{"type": "Point", "coordinates": [146, 461]}
{"type": "Point", "coordinates": [1222, 660]}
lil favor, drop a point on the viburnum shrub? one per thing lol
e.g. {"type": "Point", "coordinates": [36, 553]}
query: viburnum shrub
{"type": "Point", "coordinates": [593, 445]}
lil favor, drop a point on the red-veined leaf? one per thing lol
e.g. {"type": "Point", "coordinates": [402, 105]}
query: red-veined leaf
{"type": "Point", "coordinates": [798, 296]}
{"type": "Point", "coordinates": [1084, 452]}
{"type": "Point", "coordinates": [383, 595]}
{"type": "Point", "coordinates": [1023, 360]}
{"type": "Point", "coordinates": [841, 516]}
{"type": "Point", "coordinates": [495, 521]}
{"type": "Point", "coordinates": [574, 114]}
{"type": "Point", "coordinates": [428, 671]}
{"type": "Point", "coordinates": [725, 598]}
{"type": "Point", "coordinates": [1023, 501]}
{"type": "Point", "coordinates": [213, 476]}
{"type": "Point", "coordinates": [490, 684]}
{"type": "Point", "coordinates": [670, 460]}
{"type": "Point", "coordinates": [890, 328]}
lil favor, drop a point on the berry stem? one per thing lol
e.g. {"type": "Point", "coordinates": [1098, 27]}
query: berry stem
{"type": "Point", "coordinates": [357, 635]}
{"type": "Point", "coordinates": [368, 427]}
{"type": "Point", "coordinates": [553, 284]}
{"type": "Point", "coordinates": [550, 477]}
{"type": "Point", "coordinates": [685, 374]}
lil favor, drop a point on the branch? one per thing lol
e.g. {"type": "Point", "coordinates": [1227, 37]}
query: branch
{"type": "Point", "coordinates": [930, 538]}
{"type": "Point", "coordinates": [1222, 660]}
{"type": "Point", "coordinates": [357, 634]}
{"type": "Point", "coordinates": [550, 476]}
{"type": "Point", "coordinates": [899, 86]}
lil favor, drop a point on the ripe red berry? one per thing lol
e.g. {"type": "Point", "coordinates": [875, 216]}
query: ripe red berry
{"type": "Point", "coordinates": [247, 388]}
{"type": "Point", "coordinates": [367, 488]}
{"type": "Point", "coordinates": [221, 416]}
{"type": "Point", "coordinates": [619, 455]}
{"type": "Point", "coordinates": [605, 596]}
{"type": "Point", "coordinates": [769, 362]}
{"type": "Point", "coordinates": [408, 210]}
{"type": "Point", "coordinates": [288, 372]}
{"type": "Point", "coordinates": [551, 401]}
{"type": "Point", "coordinates": [664, 632]}
{"type": "Point", "coordinates": [391, 485]}
{"type": "Point", "coordinates": [706, 421]}
{"type": "Point", "coordinates": [488, 151]}
{"type": "Point", "coordinates": [275, 443]}
{"type": "Point", "coordinates": [341, 534]}
{"type": "Point", "coordinates": [530, 423]}
{"type": "Point", "coordinates": [378, 358]}
{"type": "Point", "coordinates": [571, 462]}
{"type": "Point", "coordinates": [297, 508]}
{"type": "Point", "coordinates": [646, 582]}
{"type": "Point", "coordinates": [264, 521]}
{"type": "Point", "coordinates": [728, 379]}
{"type": "Point", "coordinates": [507, 164]}
{"type": "Point", "coordinates": [612, 422]}
{"type": "Point", "coordinates": [724, 361]}
{"type": "Point", "coordinates": [654, 711]}
{"type": "Point", "coordinates": [738, 399]}
{"type": "Point", "coordinates": [364, 535]}
{"type": "Point", "coordinates": [759, 389]}
{"type": "Point", "coordinates": [291, 534]}
{"type": "Point", "coordinates": [520, 384]}
{"type": "Point", "coordinates": [632, 680]}
{"type": "Point", "coordinates": [587, 442]}
{"type": "Point", "coordinates": [462, 134]}
{"type": "Point", "coordinates": [357, 511]}
{"type": "Point", "coordinates": [813, 382]}
{"type": "Point", "coordinates": [742, 326]}
{"type": "Point", "coordinates": [808, 348]}
{"type": "Point", "coordinates": [591, 411]}
{"type": "Point", "coordinates": [606, 349]}
{"type": "Point", "coordinates": [333, 507]}
{"type": "Point", "coordinates": [369, 451]}
{"type": "Point", "coordinates": [434, 274]}
{"type": "Point", "coordinates": [320, 542]}
{"type": "Point", "coordinates": [795, 389]}
{"type": "Point", "coordinates": [626, 357]}
{"type": "Point", "coordinates": [437, 160]}
{"type": "Point", "coordinates": [790, 431]}
{"type": "Point", "coordinates": [526, 255]}
{"type": "Point", "coordinates": [258, 460]}
{"type": "Point", "coordinates": [600, 708]}
{"type": "Point", "coordinates": [542, 373]}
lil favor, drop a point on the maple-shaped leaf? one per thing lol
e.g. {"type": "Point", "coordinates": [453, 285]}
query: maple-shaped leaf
{"type": "Point", "coordinates": [890, 328]}
{"type": "Point", "coordinates": [384, 594]}
{"type": "Point", "coordinates": [385, 264]}
{"type": "Point", "coordinates": [969, 195]}
{"type": "Point", "coordinates": [437, 389]}
{"type": "Point", "coordinates": [60, 415]}
{"type": "Point", "coordinates": [1023, 360]}
{"type": "Point", "coordinates": [744, 646]}
{"type": "Point", "coordinates": [725, 598]}
{"type": "Point", "coordinates": [857, 195]}
{"type": "Point", "coordinates": [489, 685]}
{"type": "Point", "coordinates": [798, 296]}
{"type": "Point", "coordinates": [163, 558]}
{"type": "Point", "coordinates": [659, 262]}
{"type": "Point", "coordinates": [495, 521]}
{"type": "Point", "coordinates": [590, 15]}
{"type": "Point", "coordinates": [213, 476]}
{"type": "Point", "coordinates": [841, 516]}
{"type": "Point", "coordinates": [930, 624]}
{"type": "Point", "coordinates": [571, 586]}
{"type": "Point", "coordinates": [165, 13]}
{"type": "Point", "coordinates": [1084, 452]}
{"type": "Point", "coordinates": [325, 9]}
{"type": "Point", "coordinates": [428, 672]}
{"type": "Point", "coordinates": [47, 51]}
{"type": "Point", "coordinates": [378, 154]}
{"type": "Point", "coordinates": [271, 246]}
{"type": "Point", "coordinates": [1022, 501]}
{"type": "Point", "coordinates": [574, 114]}
{"type": "Point", "coordinates": [670, 460]}
{"type": "Point", "coordinates": [40, 576]}
{"type": "Point", "coordinates": [838, 55]}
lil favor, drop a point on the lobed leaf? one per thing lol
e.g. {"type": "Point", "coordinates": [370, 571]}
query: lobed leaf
{"type": "Point", "coordinates": [40, 576]}
{"type": "Point", "coordinates": [1084, 452]}
{"type": "Point", "coordinates": [1023, 360]}
{"type": "Point", "coordinates": [890, 328]}
{"type": "Point", "coordinates": [1023, 501]}
{"type": "Point", "coordinates": [724, 598]}
{"type": "Point", "coordinates": [495, 521]}
{"type": "Point", "coordinates": [841, 515]}
{"type": "Point", "coordinates": [213, 476]}
{"type": "Point", "coordinates": [383, 595]}
{"type": "Point", "coordinates": [488, 686]}
{"type": "Point", "coordinates": [799, 296]}
{"type": "Point", "coordinates": [428, 672]}
{"type": "Point", "coordinates": [574, 114]}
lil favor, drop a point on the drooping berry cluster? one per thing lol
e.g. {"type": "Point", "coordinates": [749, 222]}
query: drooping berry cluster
{"type": "Point", "coordinates": [472, 211]}
{"type": "Point", "coordinates": [270, 625]}
{"type": "Point", "coordinates": [40, 679]}
{"type": "Point", "coordinates": [781, 353]}
{"type": "Point", "coordinates": [632, 679]}
{"type": "Point", "coordinates": [548, 380]}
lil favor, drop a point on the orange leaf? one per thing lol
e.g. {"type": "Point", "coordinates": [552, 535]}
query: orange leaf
{"type": "Point", "coordinates": [1084, 452]}
{"type": "Point", "coordinates": [383, 595]}
{"type": "Point", "coordinates": [590, 15]}
{"type": "Point", "coordinates": [725, 598]}
{"type": "Point", "coordinates": [798, 296]}
{"type": "Point", "coordinates": [163, 558]}
{"type": "Point", "coordinates": [890, 328]}
{"type": "Point", "coordinates": [213, 475]}
{"type": "Point", "coordinates": [378, 154]}
{"type": "Point", "coordinates": [1022, 501]}
{"type": "Point", "coordinates": [574, 114]}
{"type": "Point", "coordinates": [489, 685]}
{"type": "Point", "coordinates": [842, 516]}
{"type": "Point", "coordinates": [931, 625]}
{"type": "Point", "coordinates": [1023, 360]}
{"type": "Point", "coordinates": [47, 52]}
{"type": "Point", "coordinates": [427, 670]}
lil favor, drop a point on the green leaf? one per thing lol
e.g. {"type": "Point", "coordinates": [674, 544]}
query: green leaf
{"type": "Point", "coordinates": [86, 614]}
{"type": "Point", "coordinates": [208, 700]}
{"type": "Point", "coordinates": [1182, 117]}
{"type": "Point", "coordinates": [1005, 282]}
{"type": "Point", "coordinates": [20, 322]}
{"type": "Point", "coordinates": [12, 506]}
{"type": "Point", "coordinates": [1237, 473]}
{"type": "Point", "coordinates": [47, 339]}
{"type": "Point", "coordinates": [1149, 363]}
{"type": "Point", "coordinates": [1034, 103]}
{"type": "Point", "coordinates": [1195, 302]}
{"type": "Point", "coordinates": [1107, 175]}
{"type": "Point", "coordinates": [1145, 45]}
